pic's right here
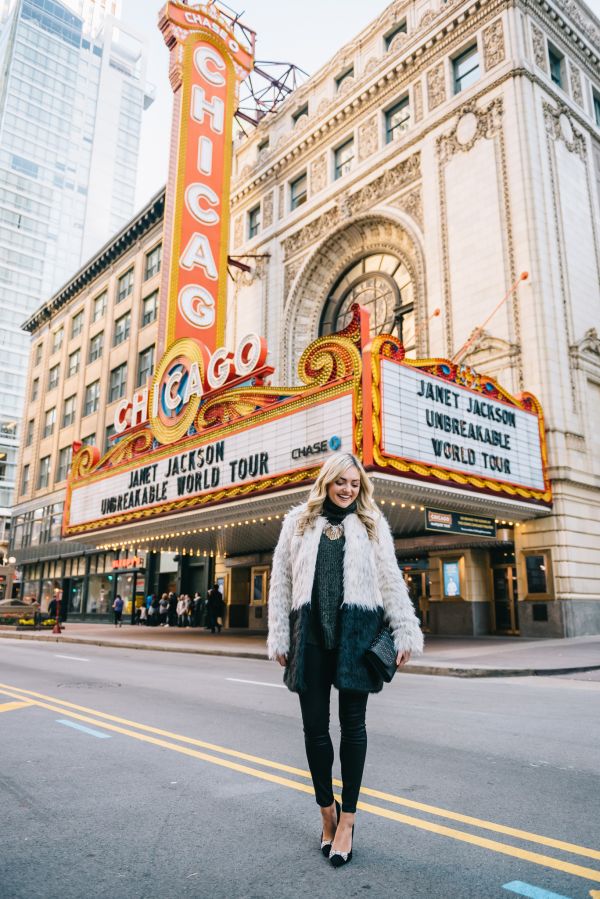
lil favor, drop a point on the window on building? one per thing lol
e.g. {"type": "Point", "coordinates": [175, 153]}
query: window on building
{"type": "Point", "coordinates": [37, 353]}
{"type": "Point", "coordinates": [65, 457]}
{"type": "Point", "coordinates": [302, 110]}
{"type": "Point", "coordinates": [96, 346]}
{"type": "Point", "coordinates": [348, 73]}
{"type": "Point", "coordinates": [57, 340]}
{"type": "Point", "coordinates": [153, 261]}
{"type": "Point", "coordinates": [44, 472]}
{"type": "Point", "coordinates": [89, 440]}
{"type": "Point", "coordinates": [596, 101]}
{"type": "Point", "coordinates": [108, 443]}
{"type": "Point", "coordinates": [556, 61]}
{"type": "Point", "coordinates": [100, 306]}
{"type": "Point", "coordinates": [537, 574]}
{"type": "Point", "coordinates": [117, 383]}
{"type": "Point", "coordinates": [25, 479]}
{"type": "Point", "coordinates": [122, 328]}
{"type": "Point", "coordinates": [77, 324]}
{"type": "Point", "coordinates": [145, 366]}
{"type": "Point", "coordinates": [53, 377]}
{"type": "Point", "coordinates": [466, 69]}
{"type": "Point", "coordinates": [343, 159]}
{"type": "Point", "coordinates": [254, 221]}
{"type": "Point", "coordinates": [397, 120]}
{"type": "Point", "coordinates": [389, 37]}
{"type": "Point", "coordinates": [298, 191]}
{"type": "Point", "coordinates": [92, 398]}
{"type": "Point", "coordinates": [382, 283]}
{"type": "Point", "coordinates": [263, 146]}
{"type": "Point", "coordinates": [125, 286]}
{"type": "Point", "coordinates": [74, 363]}
{"type": "Point", "coordinates": [69, 411]}
{"type": "Point", "coordinates": [49, 421]}
{"type": "Point", "coordinates": [149, 308]}
{"type": "Point", "coordinates": [35, 389]}
{"type": "Point", "coordinates": [29, 432]}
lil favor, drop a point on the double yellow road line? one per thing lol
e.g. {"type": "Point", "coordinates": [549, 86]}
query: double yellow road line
{"type": "Point", "coordinates": [233, 759]}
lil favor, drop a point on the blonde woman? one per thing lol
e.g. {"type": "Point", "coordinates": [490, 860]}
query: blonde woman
{"type": "Point", "coordinates": [335, 582]}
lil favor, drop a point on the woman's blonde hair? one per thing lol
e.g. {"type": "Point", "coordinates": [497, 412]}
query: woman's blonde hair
{"type": "Point", "coordinates": [332, 468]}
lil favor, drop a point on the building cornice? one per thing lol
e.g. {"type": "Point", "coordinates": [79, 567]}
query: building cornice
{"type": "Point", "coordinates": [104, 258]}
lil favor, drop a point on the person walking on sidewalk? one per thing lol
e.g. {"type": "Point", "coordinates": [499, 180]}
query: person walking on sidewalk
{"type": "Point", "coordinates": [118, 610]}
{"type": "Point", "coordinates": [335, 583]}
{"type": "Point", "coordinates": [163, 610]}
{"type": "Point", "coordinates": [216, 607]}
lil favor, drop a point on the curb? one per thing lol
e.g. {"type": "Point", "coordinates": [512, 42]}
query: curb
{"type": "Point", "coordinates": [431, 670]}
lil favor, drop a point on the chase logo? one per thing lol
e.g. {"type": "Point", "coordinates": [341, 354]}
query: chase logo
{"type": "Point", "coordinates": [334, 443]}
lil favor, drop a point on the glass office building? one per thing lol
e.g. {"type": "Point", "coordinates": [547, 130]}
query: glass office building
{"type": "Point", "coordinates": [72, 91]}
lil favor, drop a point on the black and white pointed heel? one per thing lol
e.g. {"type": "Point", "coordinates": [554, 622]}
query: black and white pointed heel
{"type": "Point", "coordinates": [338, 858]}
{"type": "Point", "coordinates": [326, 844]}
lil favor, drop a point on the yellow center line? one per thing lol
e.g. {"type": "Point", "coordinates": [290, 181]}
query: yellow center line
{"type": "Point", "coordinates": [12, 706]}
{"type": "Point", "coordinates": [493, 845]}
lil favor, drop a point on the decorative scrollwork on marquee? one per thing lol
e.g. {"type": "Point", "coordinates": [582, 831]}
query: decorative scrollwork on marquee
{"type": "Point", "coordinates": [85, 460]}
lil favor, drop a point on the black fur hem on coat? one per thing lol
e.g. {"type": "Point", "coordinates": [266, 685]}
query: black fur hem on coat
{"type": "Point", "coordinates": [358, 629]}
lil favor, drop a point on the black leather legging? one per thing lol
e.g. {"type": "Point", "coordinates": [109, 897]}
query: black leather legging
{"type": "Point", "coordinates": [319, 670]}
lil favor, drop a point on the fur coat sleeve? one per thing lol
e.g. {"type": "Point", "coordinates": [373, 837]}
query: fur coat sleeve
{"type": "Point", "coordinates": [397, 606]}
{"type": "Point", "coordinates": [280, 591]}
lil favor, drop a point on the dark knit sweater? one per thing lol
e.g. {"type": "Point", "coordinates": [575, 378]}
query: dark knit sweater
{"type": "Point", "coordinates": [328, 585]}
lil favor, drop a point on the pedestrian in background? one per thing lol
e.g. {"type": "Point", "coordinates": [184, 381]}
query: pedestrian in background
{"type": "Point", "coordinates": [143, 619]}
{"type": "Point", "coordinates": [163, 610]}
{"type": "Point", "coordinates": [216, 607]}
{"type": "Point", "coordinates": [181, 611]}
{"type": "Point", "coordinates": [118, 610]}
{"type": "Point", "coordinates": [335, 582]}
{"type": "Point", "coordinates": [172, 614]}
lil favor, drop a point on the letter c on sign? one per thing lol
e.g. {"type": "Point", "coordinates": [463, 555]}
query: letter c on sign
{"type": "Point", "coordinates": [120, 420]}
{"type": "Point", "coordinates": [202, 56]}
{"type": "Point", "coordinates": [193, 195]}
{"type": "Point", "coordinates": [197, 306]}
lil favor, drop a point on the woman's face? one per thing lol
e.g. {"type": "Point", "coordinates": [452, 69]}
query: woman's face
{"type": "Point", "coordinates": [345, 488]}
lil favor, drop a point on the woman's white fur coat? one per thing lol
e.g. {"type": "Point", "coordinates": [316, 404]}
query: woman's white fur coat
{"type": "Point", "coordinates": [374, 593]}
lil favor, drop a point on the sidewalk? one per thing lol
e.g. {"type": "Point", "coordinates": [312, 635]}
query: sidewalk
{"type": "Point", "coordinates": [450, 656]}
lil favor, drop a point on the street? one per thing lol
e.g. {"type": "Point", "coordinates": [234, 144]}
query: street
{"type": "Point", "coordinates": [131, 773]}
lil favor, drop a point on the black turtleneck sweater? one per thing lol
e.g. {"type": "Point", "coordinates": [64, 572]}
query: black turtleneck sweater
{"type": "Point", "coordinates": [328, 585]}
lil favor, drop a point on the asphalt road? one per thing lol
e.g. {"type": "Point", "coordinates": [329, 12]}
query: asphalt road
{"type": "Point", "coordinates": [151, 775]}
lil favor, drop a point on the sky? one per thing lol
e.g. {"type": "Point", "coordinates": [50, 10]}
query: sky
{"type": "Point", "coordinates": [307, 35]}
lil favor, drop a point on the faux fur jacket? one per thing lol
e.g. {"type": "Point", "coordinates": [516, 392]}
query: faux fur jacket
{"type": "Point", "coordinates": [374, 593]}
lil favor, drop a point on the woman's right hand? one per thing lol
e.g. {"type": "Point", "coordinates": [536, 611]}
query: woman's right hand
{"type": "Point", "coordinates": [282, 660]}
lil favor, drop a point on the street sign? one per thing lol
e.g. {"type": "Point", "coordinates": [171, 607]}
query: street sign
{"type": "Point", "coordinates": [459, 523]}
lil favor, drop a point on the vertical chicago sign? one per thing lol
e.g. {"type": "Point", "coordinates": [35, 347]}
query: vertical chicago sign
{"type": "Point", "coordinates": [207, 65]}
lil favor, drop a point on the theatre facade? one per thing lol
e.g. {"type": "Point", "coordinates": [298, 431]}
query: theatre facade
{"type": "Point", "coordinates": [394, 292]}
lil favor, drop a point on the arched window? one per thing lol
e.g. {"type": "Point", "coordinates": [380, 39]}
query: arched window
{"type": "Point", "coordinates": [380, 282]}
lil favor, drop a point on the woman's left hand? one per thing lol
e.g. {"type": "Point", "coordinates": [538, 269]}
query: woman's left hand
{"type": "Point", "coordinates": [402, 658]}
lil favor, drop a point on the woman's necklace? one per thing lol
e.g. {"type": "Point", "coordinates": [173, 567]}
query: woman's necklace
{"type": "Point", "coordinates": [334, 531]}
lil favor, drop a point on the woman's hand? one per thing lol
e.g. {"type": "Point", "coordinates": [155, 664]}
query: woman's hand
{"type": "Point", "coordinates": [402, 658]}
{"type": "Point", "coordinates": [282, 660]}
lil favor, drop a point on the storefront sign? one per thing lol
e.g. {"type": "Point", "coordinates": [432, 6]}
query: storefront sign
{"type": "Point", "coordinates": [209, 471]}
{"type": "Point", "coordinates": [133, 562]}
{"type": "Point", "coordinates": [459, 523]}
{"type": "Point", "coordinates": [429, 420]}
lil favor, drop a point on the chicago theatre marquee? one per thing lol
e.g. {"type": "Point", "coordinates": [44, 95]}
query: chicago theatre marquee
{"type": "Point", "coordinates": [325, 340]}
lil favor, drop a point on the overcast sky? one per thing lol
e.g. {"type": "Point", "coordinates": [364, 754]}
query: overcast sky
{"type": "Point", "coordinates": [307, 34]}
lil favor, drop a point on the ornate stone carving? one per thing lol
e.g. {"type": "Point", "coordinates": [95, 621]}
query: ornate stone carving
{"type": "Point", "coordinates": [238, 232]}
{"type": "Point", "coordinates": [371, 65]}
{"type": "Point", "coordinates": [576, 84]}
{"type": "Point", "coordinates": [436, 85]}
{"type": "Point", "coordinates": [281, 202]}
{"type": "Point", "coordinates": [346, 85]}
{"type": "Point", "coordinates": [367, 138]}
{"type": "Point", "coordinates": [418, 100]}
{"type": "Point", "coordinates": [588, 346]}
{"type": "Point", "coordinates": [289, 274]}
{"type": "Point", "coordinates": [539, 48]}
{"type": "Point", "coordinates": [412, 204]}
{"type": "Point", "coordinates": [472, 124]}
{"type": "Point", "coordinates": [366, 197]}
{"type": "Point", "coordinates": [493, 45]}
{"type": "Point", "coordinates": [318, 174]}
{"type": "Point", "coordinates": [267, 210]}
{"type": "Point", "coordinates": [398, 42]}
{"type": "Point", "coordinates": [576, 14]}
{"type": "Point", "coordinates": [324, 105]}
{"type": "Point", "coordinates": [559, 125]}
{"type": "Point", "coordinates": [427, 18]}
{"type": "Point", "coordinates": [301, 122]}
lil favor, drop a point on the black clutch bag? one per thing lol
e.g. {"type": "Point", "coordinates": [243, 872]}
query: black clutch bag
{"type": "Point", "coordinates": [381, 655]}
